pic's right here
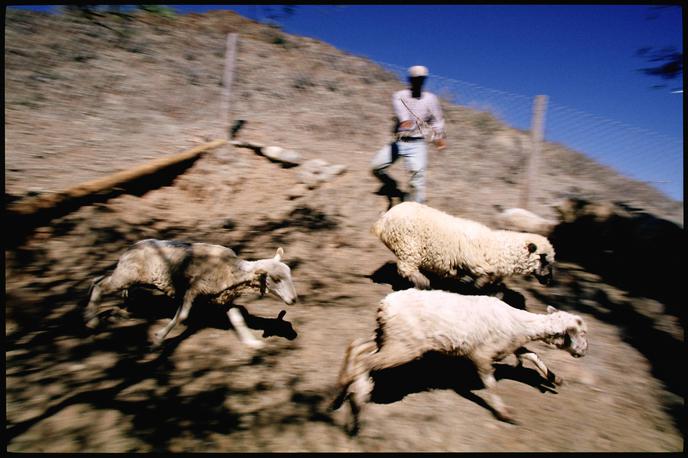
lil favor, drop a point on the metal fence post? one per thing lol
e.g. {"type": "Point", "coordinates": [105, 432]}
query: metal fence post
{"type": "Point", "coordinates": [227, 81]}
{"type": "Point", "coordinates": [537, 128]}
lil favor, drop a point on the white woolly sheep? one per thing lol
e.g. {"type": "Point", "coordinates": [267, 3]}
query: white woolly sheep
{"type": "Point", "coordinates": [522, 220]}
{"type": "Point", "coordinates": [480, 328]}
{"type": "Point", "coordinates": [184, 271]}
{"type": "Point", "coordinates": [425, 238]}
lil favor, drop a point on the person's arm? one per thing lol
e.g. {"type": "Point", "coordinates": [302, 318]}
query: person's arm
{"type": "Point", "coordinates": [437, 123]}
{"type": "Point", "coordinates": [406, 122]}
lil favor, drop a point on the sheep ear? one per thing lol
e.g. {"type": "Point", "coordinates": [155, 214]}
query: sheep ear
{"type": "Point", "coordinates": [281, 314]}
{"type": "Point", "coordinates": [279, 254]}
{"type": "Point", "coordinates": [532, 248]}
{"type": "Point", "coordinates": [551, 309]}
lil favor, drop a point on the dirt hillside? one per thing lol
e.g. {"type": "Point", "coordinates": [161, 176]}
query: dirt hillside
{"type": "Point", "coordinates": [88, 97]}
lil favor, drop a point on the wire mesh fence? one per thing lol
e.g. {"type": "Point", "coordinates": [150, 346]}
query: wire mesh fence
{"type": "Point", "coordinates": [638, 153]}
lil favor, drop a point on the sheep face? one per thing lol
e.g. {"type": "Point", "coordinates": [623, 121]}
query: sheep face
{"type": "Point", "coordinates": [275, 278]}
{"type": "Point", "coordinates": [541, 255]}
{"type": "Point", "coordinates": [575, 337]}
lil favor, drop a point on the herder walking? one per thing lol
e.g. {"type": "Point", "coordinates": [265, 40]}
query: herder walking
{"type": "Point", "coordinates": [419, 118]}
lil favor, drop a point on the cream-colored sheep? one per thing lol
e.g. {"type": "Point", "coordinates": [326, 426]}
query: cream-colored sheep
{"type": "Point", "coordinates": [425, 238]}
{"type": "Point", "coordinates": [483, 329]}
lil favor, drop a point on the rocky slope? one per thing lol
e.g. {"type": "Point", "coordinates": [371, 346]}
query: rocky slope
{"type": "Point", "coordinates": [85, 98]}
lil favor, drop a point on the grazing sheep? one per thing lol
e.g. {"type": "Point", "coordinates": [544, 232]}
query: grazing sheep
{"type": "Point", "coordinates": [521, 220]}
{"type": "Point", "coordinates": [184, 271]}
{"type": "Point", "coordinates": [480, 328]}
{"type": "Point", "coordinates": [424, 238]}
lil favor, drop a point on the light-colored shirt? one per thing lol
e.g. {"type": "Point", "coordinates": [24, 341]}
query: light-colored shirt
{"type": "Point", "coordinates": [427, 108]}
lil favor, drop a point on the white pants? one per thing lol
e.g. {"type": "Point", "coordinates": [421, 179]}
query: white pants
{"type": "Point", "coordinates": [415, 156]}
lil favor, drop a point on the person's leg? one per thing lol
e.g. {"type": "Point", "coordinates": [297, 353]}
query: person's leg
{"type": "Point", "coordinates": [416, 159]}
{"type": "Point", "coordinates": [382, 160]}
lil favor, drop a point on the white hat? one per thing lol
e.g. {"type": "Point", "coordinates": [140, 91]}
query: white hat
{"type": "Point", "coordinates": [417, 70]}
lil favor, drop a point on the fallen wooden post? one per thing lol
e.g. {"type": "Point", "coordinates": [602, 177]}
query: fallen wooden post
{"type": "Point", "coordinates": [33, 211]}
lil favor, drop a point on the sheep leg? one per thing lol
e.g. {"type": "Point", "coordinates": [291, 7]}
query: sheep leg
{"type": "Point", "coordinates": [360, 366]}
{"type": "Point", "coordinates": [189, 297]}
{"type": "Point", "coordinates": [359, 391]}
{"type": "Point", "coordinates": [346, 374]}
{"type": "Point", "coordinates": [160, 335]}
{"type": "Point", "coordinates": [245, 335]}
{"type": "Point", "coordinates": [411, 272]}
{"type": "Point", "coordinates": [524, 354]}
{"type": "Point", "coordinates": [92, 307]}
{"type": "Point", "coordinates": [486, 373]}
{"type": "Point", "coordinates": [483, 281]}
{"type": "Point", "coordinates": [107, 285]}
{"type": "Point", "coordinates": [355, 388]}
{"type": "Point", "coordinates": [354, 352]}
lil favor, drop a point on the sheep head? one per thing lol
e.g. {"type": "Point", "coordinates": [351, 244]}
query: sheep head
{"type": "Point", "coordinates": [574, 335]}
{"type": "Point", "coordinates": [541, 258]}
{"type": "Point", "coordinates": [275, 277]}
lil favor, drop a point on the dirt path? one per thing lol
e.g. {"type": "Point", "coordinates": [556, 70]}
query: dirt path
{"type": "Point", "coordinates": [70, 390]}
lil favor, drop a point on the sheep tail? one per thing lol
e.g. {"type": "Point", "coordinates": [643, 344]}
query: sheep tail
{"type": "Point", "coordinates": [377, 227]}
{"type": "Point", "coordinates": [350, 369]}
{"type": "Point", "coordinates": [352, 364]}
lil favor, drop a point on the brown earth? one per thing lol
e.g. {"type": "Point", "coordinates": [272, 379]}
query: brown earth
{"type": "Point", "coordinates": [85, 98]}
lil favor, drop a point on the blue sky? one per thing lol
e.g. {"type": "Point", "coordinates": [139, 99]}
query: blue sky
{"type": "Point", "coordinates": [581, 56]}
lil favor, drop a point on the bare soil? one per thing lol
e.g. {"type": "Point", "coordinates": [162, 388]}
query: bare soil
{"type": "Point", "coordinates": [82, 102]}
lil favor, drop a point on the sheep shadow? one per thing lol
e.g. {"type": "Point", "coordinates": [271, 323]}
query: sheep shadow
{"type": "Point", "coordinates": [157, 414]}
{"type": "Point", "coordinates": [388, 274]}
{"type": "Point", "coordinates": [151, 306]}
{"type": "Point", "coordinates": [161, 408]}
{"type": "Point", "coordinates": [436, 371]}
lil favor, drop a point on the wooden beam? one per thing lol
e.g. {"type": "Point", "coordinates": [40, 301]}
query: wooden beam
{"type": "Point", "coordinates": [33, 205]}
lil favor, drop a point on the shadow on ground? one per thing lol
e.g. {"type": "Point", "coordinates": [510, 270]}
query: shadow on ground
{"type": "Point", "coordinates": [388, 274]}
{"type": "Point", "coordinates": [663, 351]}
{"type": "Point", "coordinates": [435, 371]}
{"type": "Point", "coordinates": [159, 412]}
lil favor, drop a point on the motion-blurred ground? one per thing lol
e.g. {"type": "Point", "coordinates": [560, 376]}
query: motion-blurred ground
{"type": "Point", "coordinates": [88, 97]}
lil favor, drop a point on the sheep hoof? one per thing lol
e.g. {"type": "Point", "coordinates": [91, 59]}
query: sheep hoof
{"type": "Point", "coordinates": [255, 344]}
{"type": "Point", "coordinates": [555, 379]}
{"type": "Point", "coordinates": [157, 341]}
{"type": "Point", "coordinates": [353, 428]}
{"type": "Point", "coordinates": [506, 416]}
{"type": "Point", "coordinates": [92, 323]}
{"type": "Point", "coordinates": [337, 401]}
